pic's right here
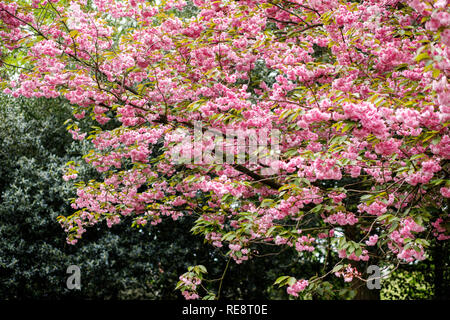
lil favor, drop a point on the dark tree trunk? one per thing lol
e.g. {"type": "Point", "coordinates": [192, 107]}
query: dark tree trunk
{"type": "Point", "coordinates": [363, 292]}
{"type": "Point", "coordinates": [438, 272]}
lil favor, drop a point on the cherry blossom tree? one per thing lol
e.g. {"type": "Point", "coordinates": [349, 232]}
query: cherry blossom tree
{"type": "Point", "coordinates": [356, 92]}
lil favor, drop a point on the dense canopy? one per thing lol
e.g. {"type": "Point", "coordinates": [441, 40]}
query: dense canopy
{"type": "Point", "coordinates": [316, 125]}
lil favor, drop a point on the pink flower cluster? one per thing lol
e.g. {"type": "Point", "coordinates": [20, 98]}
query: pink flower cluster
{"type": "Point", "coordinates": [327, 169]}
{"type": "Point", "coordinates": [429, 168]}
{"type": "Point", "coordinates": [337, 197]}
{"type": "Point", "coordinates": [112, 221]}
{"type": "Point", "coordinates": [342, 218]}
{"type": "Point", "coordinates": [439, 231]}
{"type": "Point", "coordinates": [190, 295]}
{"type": "Point", "coordinates": [76, 135]}
{"type": "Point", "coordinates": [376, 208]}
{"type": "Point", "coordinates": [372, 240]}
{"type": "Point", "coordinates": [407, 227]}
{"type": "Point", "coordinates": [70, 176]}
{"type": "Point", "coordinates": [445, 191]}
{"type": "Point", "coordinates": [411, 255]}
{"type": "Point", "coordinates": [304, 243]}
{"type": "Point", "coordinates": [348, 273]}
{"type": "Point", "coordinates": [238, 253]}
{"type": "Point", "coordinates": [71, 173]}
{"type": "Point", "coordinates": [352, 256]}
{"type": "Point", "coordinates": [216, 239]}
{"type": "Point", "coordinates": [190, 282]}
{"type": "Point", "coordinates": [298, 286]}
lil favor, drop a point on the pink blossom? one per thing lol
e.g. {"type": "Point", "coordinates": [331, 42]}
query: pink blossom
{"type": "Point", "coordinates": [348, 273]}
{"type": "Point", "coordinates": [445, 191]}
{"type": "Point", "coordinates": [372, 240]}
{"type": "Point", "coordinates": [189, 295]}
{"type": "Point", "coordinates": [234, 247]}
{"type": "Point", "coordinates": [439, 231]}
{"type": "Point", "coordinates": [342, 218]}
{"type": "Point", "coordinates": [298, 286]}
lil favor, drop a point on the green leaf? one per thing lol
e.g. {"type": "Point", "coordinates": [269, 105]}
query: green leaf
{"type": "Point", "coordinates": [281, 280]}
{"type": "Point", "coordinates": [229, 236]}
{"type": "Point", "coordinates": [436, 73]}
{"type": "Point", "coordinates": [270, 231]}
{"type": "Point", "coordinates": [73, 33]}
{"type": "Point", "coordinates": [266, 203]}
{"type": "Point", "coordinates": [351, 248]}
{"type": "Point", "coordinates": [202, 268]}
{"type": "Point", "coordinates": [291, 281]}
{"type": "Point", "coordinates": [337, 268]}
{"type": "Point", "coordinates": [436, 140]}
{"type": "Point", "coordinates": [179, 285]}
{"type": "Point", "coordinates": [422, 56]}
